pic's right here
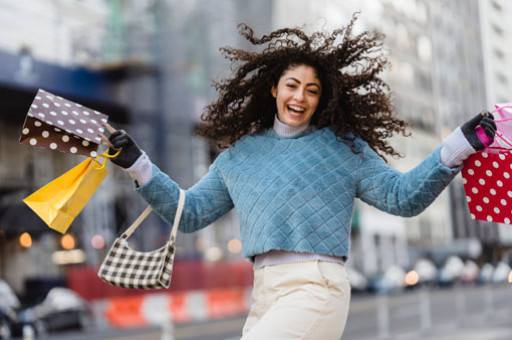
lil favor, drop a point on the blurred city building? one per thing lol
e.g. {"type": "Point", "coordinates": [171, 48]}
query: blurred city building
{"type": "Point", "coordinates": [460, 91]}
{"type": "Point", "coordinates": [407, 26]}
{"type": "Point", "coordinates": [497, 56]}
{"type": "Point", "coordinates": [41, 44]}
{"type": "Point", "coordinates": [149, 65]}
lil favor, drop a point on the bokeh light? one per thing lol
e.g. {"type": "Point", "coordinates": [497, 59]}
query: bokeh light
{"type": "Point", "coordinates": [26, 240]}
{"type": "Point", "coordinates": [234, 246]}
{"type": "Point", "coordinates": [411, 278]}
{"type": "Point", "coordinates": [67, 242]}
{"type": "Point", "coordinates": [97, 241]}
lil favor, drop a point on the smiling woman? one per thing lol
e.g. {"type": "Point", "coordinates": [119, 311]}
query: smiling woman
{"type": "Point", "coordinates": [305, 125]}
{"type": "Point", "coordinates": [351, 99]}
{"type": "Point", "coordinates": [297, 95]}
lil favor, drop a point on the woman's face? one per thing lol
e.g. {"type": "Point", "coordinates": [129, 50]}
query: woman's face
{"type": "Point", "coordinates": [297, 95]}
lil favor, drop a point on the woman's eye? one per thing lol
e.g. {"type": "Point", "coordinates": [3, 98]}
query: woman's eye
{"type": "Point", "coordinates": [291, 86]}
{"type": "Point", "coordinates": [315, 92]}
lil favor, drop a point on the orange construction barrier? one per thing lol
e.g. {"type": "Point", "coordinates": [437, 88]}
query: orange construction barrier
{"type": "Point", "coordinates": [126, 311]}
{"type": "Point", "coordinates": [179, 308]}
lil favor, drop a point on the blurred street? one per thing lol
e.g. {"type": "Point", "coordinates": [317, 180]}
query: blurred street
{"type": "Point", "coordinates": [149, 66]}
{"type": "Point", "coordinates": [474, 312]}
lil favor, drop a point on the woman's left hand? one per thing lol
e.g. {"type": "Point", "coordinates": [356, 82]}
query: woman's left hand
{"type": "Point", "coordinates": [474, 135]}
{"type": "Point", "coordinates": [477, 140]}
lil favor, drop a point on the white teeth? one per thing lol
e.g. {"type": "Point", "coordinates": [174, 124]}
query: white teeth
{"type": "Point", "coordinates": [296, 108]}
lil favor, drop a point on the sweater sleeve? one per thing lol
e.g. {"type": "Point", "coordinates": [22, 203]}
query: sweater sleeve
{"type": "Point", "coordinates": [205, 202]}
{"type": "Point", "coordinates": [404, 194]}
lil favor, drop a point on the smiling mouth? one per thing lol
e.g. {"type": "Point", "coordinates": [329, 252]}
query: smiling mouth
{"type": "Point", "coordinates": [296, 109]}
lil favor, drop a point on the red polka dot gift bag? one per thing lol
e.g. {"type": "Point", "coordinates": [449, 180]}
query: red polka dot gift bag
{"type": "Point", "coordinates": [55, 123]}
{"type": "Point", "coordinates": [488, 186]}
{"type": "Point", "coordinates": [487, 175]}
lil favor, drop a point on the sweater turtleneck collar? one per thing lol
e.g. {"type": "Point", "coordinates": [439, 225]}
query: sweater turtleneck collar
{"type": "Point", "coordinates": [284, 130]}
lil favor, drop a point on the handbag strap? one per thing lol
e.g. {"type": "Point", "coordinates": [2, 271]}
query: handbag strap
{"type": "Point", "coordinates": [177, 217]}
{"type": "Point", "coordinates": [147, 211]}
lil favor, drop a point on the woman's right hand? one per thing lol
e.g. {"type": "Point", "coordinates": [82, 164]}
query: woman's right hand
{"type": "Point", "coordinates": [130, 152]}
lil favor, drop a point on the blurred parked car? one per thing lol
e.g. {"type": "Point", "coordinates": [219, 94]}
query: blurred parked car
{"type": "Point", "coordinates": [485, 274]}
{"type": "Point", "coordinates": [424, 272]}
{"type": "Point", "coordinates": [393, 280]}
{"type": "Point", "coordinates": [61, 309]}
{"type": "Point", "coordinates": [451, 271]}
{"type": "Point", "coordinates": [470, 272]}
{"type": "Point", "coordinates": [501, 273]}
{"type": "Point", "coordinates": [9, 304]}
{"type": "Point", "coordinates": [358, 282]}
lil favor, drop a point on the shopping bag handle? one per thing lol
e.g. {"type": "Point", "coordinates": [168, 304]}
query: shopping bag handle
{"type": "Point", "coordinates": [147, 211]}
{"type": "Point", "coordinates": [107, 141]}
{"type": "Point", "coordinates": [498, 109]}
{"type": "Point", "coordinates": [498, 134]}
{"type": "Point", "coordinates": [106, 155]}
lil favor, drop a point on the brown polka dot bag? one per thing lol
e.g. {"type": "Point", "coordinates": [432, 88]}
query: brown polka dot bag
{"type": "Point", "coordinates": [55, 123]}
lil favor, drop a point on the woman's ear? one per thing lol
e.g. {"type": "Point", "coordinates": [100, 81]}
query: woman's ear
{"type": "Point", "coordinates": [273, 90]}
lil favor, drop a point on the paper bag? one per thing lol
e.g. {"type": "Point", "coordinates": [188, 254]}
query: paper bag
{"type": "Point", "coordinates": [503, 119]}
{"type": "Point", "coordinates": [60, 201]}
{"type": "Point", "coordinates": [55, 123]}
{"type": "Point", "coordinates": [488, 186]}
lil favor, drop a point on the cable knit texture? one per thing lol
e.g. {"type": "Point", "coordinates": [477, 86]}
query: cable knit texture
{"type": "Point", "coordinates": [297, 193]}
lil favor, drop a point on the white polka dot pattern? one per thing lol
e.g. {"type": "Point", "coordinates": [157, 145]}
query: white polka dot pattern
{"type": "Point", "coordinates": [486, 178]}
{"type": "Point", "coordinates": [52, 120]}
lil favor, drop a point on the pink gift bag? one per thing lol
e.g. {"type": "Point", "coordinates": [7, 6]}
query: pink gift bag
{"type": "Point", "coordinates": [503, 119]}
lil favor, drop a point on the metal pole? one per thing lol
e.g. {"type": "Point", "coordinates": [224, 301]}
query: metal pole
{"type": "Point", "coordinates": [167, 331]}
{"type": "Point", "coordinates": [28, 333]}
{"type": "Point", "coordinates": [383, 317]}
{"type": "Point", "coordinates": [461, 306]}
{"type": "Point", "coordinates": [488, 296]}
{"type": "Point", "coordinates": [425, 310]}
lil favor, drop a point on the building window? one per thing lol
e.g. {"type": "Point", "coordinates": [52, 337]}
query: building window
{"type": "Point", "coordinates": [499, 54]}
{"type": "Point", "coordinates": [498, 30]}
{"type": "Point", "coordinates": [424, 47]}
{"type": "Point", "coordinates": [502, 79]}
{"type": "Point", "coordinates": [496, 6]}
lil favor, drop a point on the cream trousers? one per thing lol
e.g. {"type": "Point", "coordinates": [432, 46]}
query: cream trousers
{"type": "Point", "coordinates": [304, 300]}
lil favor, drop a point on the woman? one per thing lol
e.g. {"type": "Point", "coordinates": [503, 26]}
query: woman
{"type": "Point", "coordinates": [293, 176]}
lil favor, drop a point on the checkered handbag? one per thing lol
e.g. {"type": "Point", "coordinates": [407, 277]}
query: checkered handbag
{"type": "Point", "coordinates": [127, 268]}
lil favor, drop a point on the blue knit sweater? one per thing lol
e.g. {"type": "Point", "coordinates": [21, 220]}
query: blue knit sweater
{"type": "Point", "coordinates": [297, 193]}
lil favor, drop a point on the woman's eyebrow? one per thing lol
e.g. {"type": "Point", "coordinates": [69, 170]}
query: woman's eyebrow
{"type": "Point", "coordinates": [298, 81]}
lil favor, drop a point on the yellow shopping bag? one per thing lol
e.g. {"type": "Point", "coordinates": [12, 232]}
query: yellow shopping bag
{"type": "Point", "coordinates": [61, 200]}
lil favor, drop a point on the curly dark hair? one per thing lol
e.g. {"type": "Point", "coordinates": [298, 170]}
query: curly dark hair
{"type": "Point", "coordinates": [355, 102]}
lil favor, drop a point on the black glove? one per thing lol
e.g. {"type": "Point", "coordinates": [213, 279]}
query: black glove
{"type": "Point", "coordinates": [130, 151]}
{"type": "Point", "coordinates": [486, 121]}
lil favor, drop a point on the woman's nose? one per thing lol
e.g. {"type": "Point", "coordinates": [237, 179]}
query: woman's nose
{"type": "Point", "coordinates": [299, 95]}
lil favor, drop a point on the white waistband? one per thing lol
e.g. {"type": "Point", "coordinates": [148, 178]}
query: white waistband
{"type": "Point", "coordinates": [274, 257]}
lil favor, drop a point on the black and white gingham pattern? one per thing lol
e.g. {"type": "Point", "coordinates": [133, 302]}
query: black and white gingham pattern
{"type": "Point", "coordinates": [127, 268]}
